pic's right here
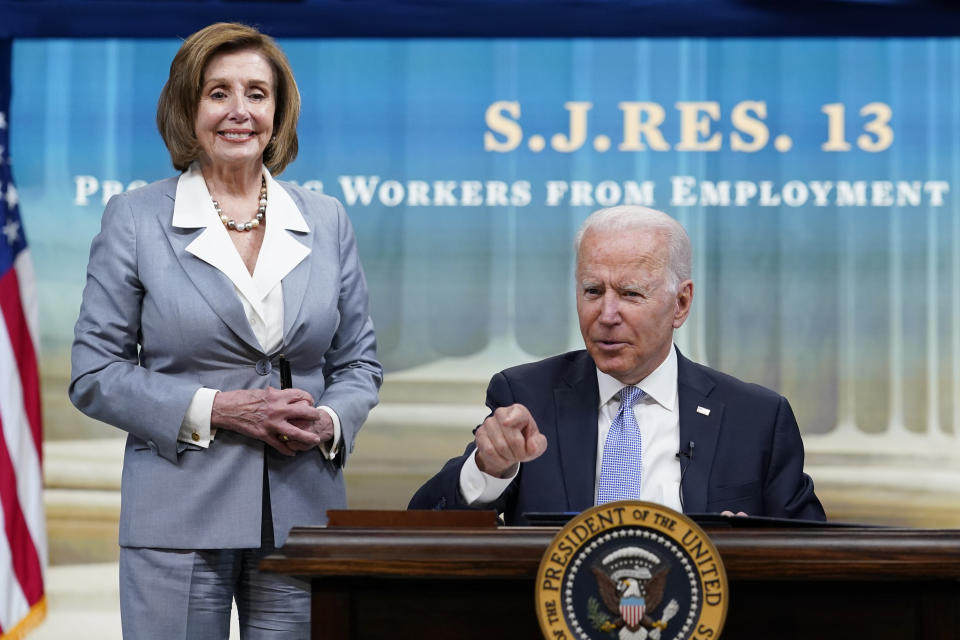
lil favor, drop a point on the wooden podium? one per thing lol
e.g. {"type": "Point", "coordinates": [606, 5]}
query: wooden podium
{"type": "Point", "coordinates": [457, 575]}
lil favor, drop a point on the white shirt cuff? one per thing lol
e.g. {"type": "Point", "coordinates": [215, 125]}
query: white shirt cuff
{"type": "Point", "coordinates": [195, 427]}
{"type": "Point", "coordinates": [329, 449]}
{"type": "Point", "coordinates": [478, 487]}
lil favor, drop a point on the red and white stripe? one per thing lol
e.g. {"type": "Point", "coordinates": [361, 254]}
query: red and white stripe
{"type": "Point", "coordinates": [632, 614]}
{"type": "Point", "coordinates": [23, 543]}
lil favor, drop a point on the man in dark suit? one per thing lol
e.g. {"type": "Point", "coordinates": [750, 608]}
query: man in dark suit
{"type": "Point", "coordinates": [559, 438]}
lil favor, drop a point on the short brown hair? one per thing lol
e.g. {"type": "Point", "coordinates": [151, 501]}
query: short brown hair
{"type": "Point", "coordinates": [177, 108]}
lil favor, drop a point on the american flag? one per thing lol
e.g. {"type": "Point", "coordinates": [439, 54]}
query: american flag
{"type": "Point", "coordinates": [23, 542]}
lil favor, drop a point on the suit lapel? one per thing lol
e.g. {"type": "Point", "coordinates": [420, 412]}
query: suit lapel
{"type": "Point", "coordinates": [292, 240]}
{"type": "Point", "coordinates": [294, 290]}
{"type": "Point", "coordinates": [700, 419]}
{"type": "Point", "coordinates": [577, 399]}
{"type": "Point", "coordinates": [215, 288]}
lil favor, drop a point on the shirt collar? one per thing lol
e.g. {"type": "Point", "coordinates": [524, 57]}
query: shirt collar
{"type": "Point", "coordinates": [193, 206]}
{"type": "Point", "coordinates": [279, 253]}
{"type": "Point", "coordinates": [661, 384]}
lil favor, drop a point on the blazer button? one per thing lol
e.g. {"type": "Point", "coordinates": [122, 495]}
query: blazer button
{"type": "Point", "coordinates": [264, 367]}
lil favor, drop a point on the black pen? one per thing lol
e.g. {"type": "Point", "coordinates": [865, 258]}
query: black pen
{"type": "Point", "coordinates": [286, 379]}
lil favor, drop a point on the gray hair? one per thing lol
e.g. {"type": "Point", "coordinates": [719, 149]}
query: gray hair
{"type": "Point", "coordinates": [627, 216]}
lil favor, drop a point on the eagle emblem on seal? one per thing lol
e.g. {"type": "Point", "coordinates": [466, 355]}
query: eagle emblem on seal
{"type": "Point", "coordinates": [631, 582]}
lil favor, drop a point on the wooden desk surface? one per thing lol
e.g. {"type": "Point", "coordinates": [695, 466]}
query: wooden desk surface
{"type": "Point", "coordinates": [827, 553]}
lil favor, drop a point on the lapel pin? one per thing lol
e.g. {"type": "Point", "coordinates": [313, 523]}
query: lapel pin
{"type": "Point", "coordinates": [703, 411]}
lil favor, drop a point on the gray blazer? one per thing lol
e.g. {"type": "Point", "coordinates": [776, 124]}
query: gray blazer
{"type": "Point", "coordinates": [157, 323]}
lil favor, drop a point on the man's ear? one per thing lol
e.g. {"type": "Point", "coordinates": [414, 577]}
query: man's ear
{"type": "Point", "coordinates": [684, 300]}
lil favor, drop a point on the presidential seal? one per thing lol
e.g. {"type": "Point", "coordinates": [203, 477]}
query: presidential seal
{"type": "Point", "coordinates": [631, 571]}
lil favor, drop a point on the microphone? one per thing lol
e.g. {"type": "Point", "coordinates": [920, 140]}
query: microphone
{"type": "Point", "coordinates": [688, 454]}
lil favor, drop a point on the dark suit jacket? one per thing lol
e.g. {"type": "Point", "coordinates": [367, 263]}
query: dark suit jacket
{"type": "Point", "coordinates": [748, 455]}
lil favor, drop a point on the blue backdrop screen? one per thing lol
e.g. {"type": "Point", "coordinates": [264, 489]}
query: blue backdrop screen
{"type": "Point", "coordinates": [816, 179]}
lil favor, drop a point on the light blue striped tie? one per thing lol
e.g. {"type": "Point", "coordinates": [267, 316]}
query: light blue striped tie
{"type": "Point", "coordinates": [621, 467]}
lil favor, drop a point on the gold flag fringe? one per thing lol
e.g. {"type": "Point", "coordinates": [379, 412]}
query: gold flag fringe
{"type": "Point", "coordinates": [30, 622]}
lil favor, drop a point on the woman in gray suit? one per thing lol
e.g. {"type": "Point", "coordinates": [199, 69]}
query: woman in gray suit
{"type": "Point", "coordinates": [195, 286]}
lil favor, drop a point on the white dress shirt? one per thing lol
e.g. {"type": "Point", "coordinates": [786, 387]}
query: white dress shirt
{"type": "Point", "coordinates": [260, 293]}
{"type": "Point", "coordinates": [658, 415]}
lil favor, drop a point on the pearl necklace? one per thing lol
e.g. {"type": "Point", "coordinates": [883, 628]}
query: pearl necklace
{"type": "Point", "coordinates": [252, 223]}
